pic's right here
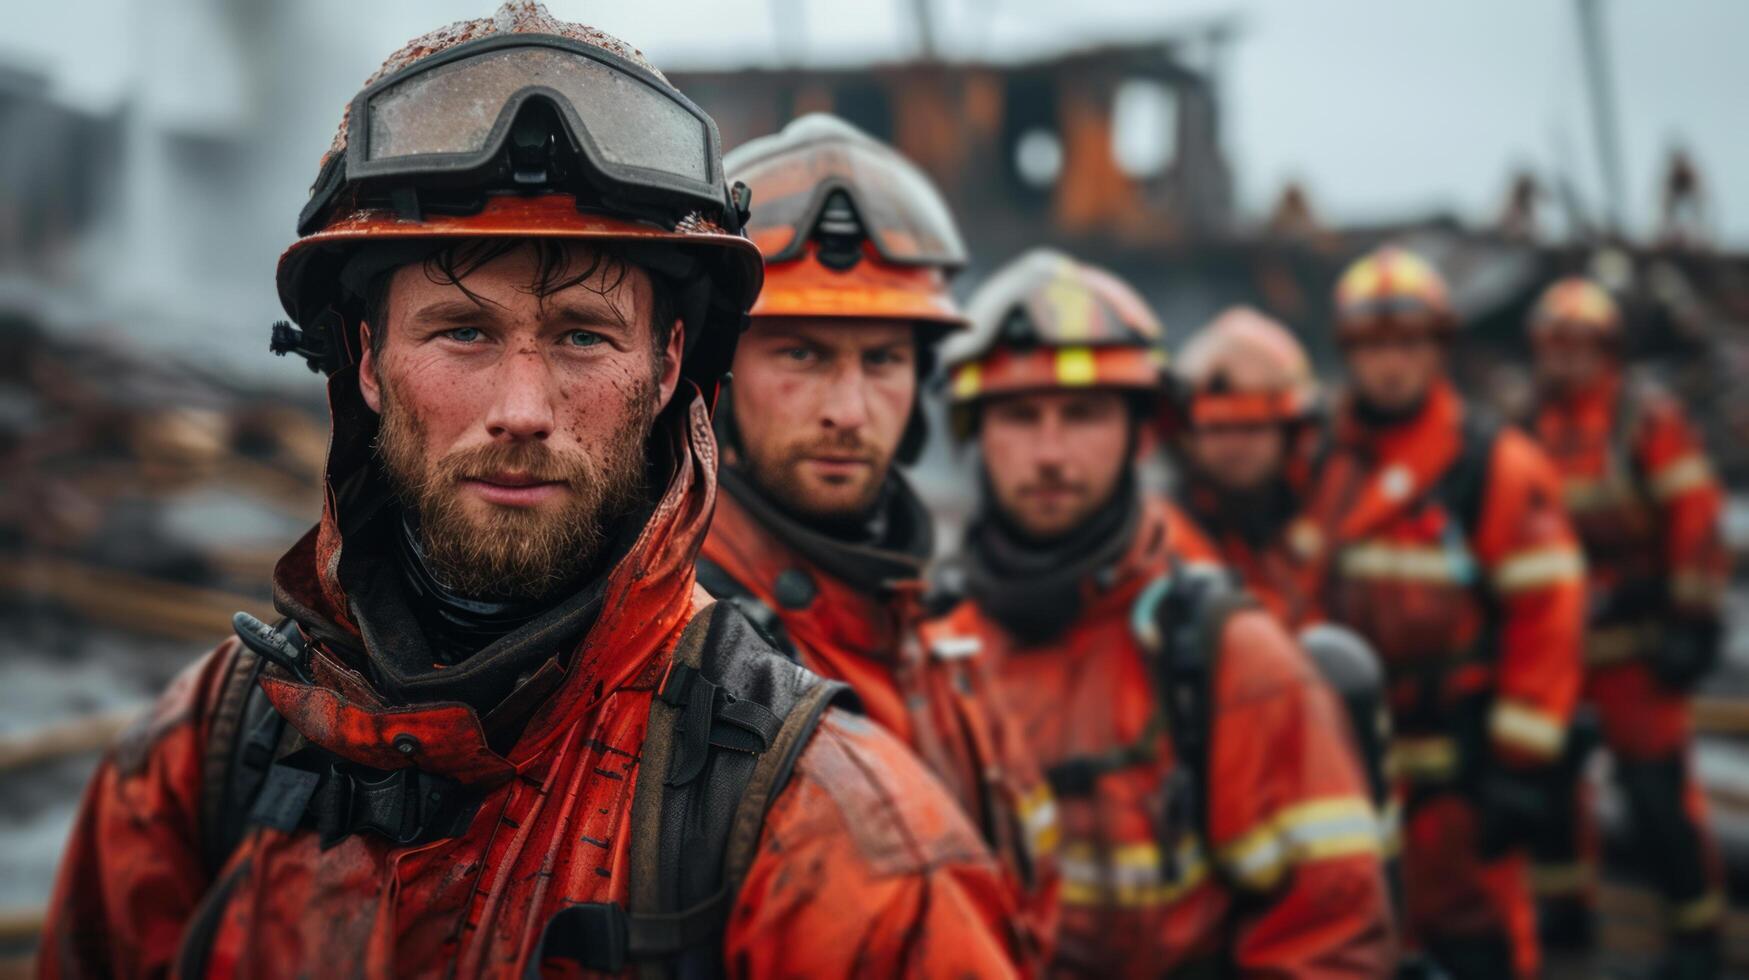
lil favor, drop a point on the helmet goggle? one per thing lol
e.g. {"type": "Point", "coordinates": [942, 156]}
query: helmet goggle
{"type": "Point", "coordinates": [801, 190]}
{"type": "Point", "coordinates": [447, 118]}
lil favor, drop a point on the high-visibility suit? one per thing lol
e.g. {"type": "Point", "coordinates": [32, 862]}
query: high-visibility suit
{"type": "Point", "coordinates": [1647, 507]}
{"type": "Point", "coordinates": [857, 621]}
{"type": "Point", "coordinates": [1443, 541]}
{"type": "Point", "coordinates": [864, 866]}
{"type": "Point", "coordinates": [1288, 881]}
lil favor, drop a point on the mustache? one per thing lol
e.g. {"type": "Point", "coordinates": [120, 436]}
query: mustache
{"type": "Point", "coordinates": [532, 460]}
{"type": "Point", "coordinates": [844, 445]}
{"type": "Point", "coordinates": [1051, 484]}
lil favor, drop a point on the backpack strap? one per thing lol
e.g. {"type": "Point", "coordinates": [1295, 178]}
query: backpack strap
{"type": "Point", "coordinates": [725, 732]}
{"type": "Point", "coordinates": [728, 589]}
{"type": "Point", "coordinates": [241, 745]}
{"type": "Point", "coordinates": [1463, 487]}
{"type": "Point", "coordinates": [1178, 620]}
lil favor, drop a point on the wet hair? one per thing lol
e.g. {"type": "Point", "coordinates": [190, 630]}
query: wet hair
{"type": "Point", "coordinates": [556, 269]}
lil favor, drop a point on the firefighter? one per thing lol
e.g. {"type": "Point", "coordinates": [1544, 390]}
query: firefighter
{"type": "Point", "coordinates": [818, 535]}
{"type": "Point", "coordinates": [1247, 399]}
{"type": "Point", "coordinates": [1229, 831]}
{"type": "Point", "coordinates": [500, 733]}
{"type": "Point", "coordinates": [1439, 535]}
{"type": "Point", "coordinates": [1644, 501]}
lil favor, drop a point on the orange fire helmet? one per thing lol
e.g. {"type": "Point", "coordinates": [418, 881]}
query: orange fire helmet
{"type": "Point", "coordinates": [1046, 321]}
{"type": "Point", "coordinates": [1244, 368]}
{"type": "Point", "coordinates": [1392, 290]}
{"type": "Point", "coordinates": [520, 125]}
{"type": "Point", "coordinates": [1575, 309]}
{"type": "Point", "coordinates": [848, 227]}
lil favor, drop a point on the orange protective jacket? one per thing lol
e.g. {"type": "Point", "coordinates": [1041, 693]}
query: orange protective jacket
{"type": "Point", "coordinates": [1290, 881]}
{"type": "Point", "coordinates": [1267, 566]}
{"type": "Point", "coordinates": [1457, 613]}
{"type": "Point", "coordinates": [946, 706]}
{"type": "Point", "coordinates": [1636, 479]}
{"type": "Point", "coordinates": [864, 867]}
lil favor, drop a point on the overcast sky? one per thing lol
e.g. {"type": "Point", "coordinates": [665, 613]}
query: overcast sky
{"type": "Point", "coordinates": [1384, 108]}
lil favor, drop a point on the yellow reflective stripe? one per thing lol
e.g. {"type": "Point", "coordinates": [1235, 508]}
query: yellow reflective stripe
{"type": "Point", "coordinates": [1071, 305]}
{"type": "Point", "coordinates": [1561, 879]}
{"type": "Point", "coordinates": [1701, 913]}
{"type": "Point", "coordinates": [1038, 820]}
{"type": "Point", "coordinates": [1313, 831]}
{"type": "Point", "coordinates": [1528, 729]}
{"type": "Point", "coordinates": [1130, 876]}
{"type": "Point", "coordinates": [1679, 476]}
{"type": "Point", "coordinates": [1075, 366]}
{"type": "Point", "coordinates": [1423, 759]}
{"type": "Point", "coordinates": [1410, 562]}
{"type": "Point", "coordinates": [1697, 589]}
{"type": "Point", "coordinates": [967, 381]}
{"type": "Point", "coordinates": [1538, 569]}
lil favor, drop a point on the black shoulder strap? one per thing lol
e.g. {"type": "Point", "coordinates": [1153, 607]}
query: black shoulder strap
{"type": "Point", "coordinates": [1463, 487]}
{"type": "Point", "coordinates": [1189, 622]}
{"type": "Point", "coordinates": [730, 591]}
{"type": "Point", "coordinates": [243, 740]}
{"type": "Point", "coordinates": [725, 731]}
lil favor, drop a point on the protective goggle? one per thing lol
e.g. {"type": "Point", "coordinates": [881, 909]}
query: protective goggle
{"type": "Point", "coordinates": [896, 207]}
{"type": "Point", "coordinates": [446, 120]}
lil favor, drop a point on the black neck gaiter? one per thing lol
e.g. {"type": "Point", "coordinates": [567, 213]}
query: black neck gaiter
{"type": "Point", "coordinates": [1032, 587]}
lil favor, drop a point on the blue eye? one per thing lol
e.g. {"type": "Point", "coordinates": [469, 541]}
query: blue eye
{"type": "Point", "coordinates": [466, 335]}
{"type": "Point", "coordinates": [797, 353]}
{"type": "Point", "coordinates": [583, 338]}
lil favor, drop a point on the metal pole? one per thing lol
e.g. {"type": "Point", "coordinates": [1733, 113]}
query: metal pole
{"type": "Point", "coordinates": [1594, 44]}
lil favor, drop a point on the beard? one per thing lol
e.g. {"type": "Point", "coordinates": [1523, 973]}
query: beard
{"type": "Point", "coordinates": [780, 477]}
{"type": "Point", "coordinates": [514, 553]}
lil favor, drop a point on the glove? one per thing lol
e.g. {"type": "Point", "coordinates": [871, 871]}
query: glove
{"type": "Point", "coordinates": [1687, 651]}
{"type": "Point", "coordinates": [1517, 804]}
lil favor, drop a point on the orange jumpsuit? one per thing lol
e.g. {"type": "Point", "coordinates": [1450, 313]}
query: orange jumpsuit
{"type": "Point", "coordinates": [1289, 883]}
{"type": "Point", "coordinates": [1636, 479]}
{"type": "Point", "coordinates": [865, 866]}
{"type": "Point", "coordinates": [1478, 627]}
{"type": "Point", "coordinates": [946, 707]}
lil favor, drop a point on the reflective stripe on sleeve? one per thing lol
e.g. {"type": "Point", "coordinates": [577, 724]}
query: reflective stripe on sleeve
{"type": "Point", "coordinates": [1527, 729]}
{"type": "Point", "coordinates": [1538, 569]}
{"type": "Point", "coordinates": [1313, 831]}
{"type": "Point", "coordinates": [1680, 476]}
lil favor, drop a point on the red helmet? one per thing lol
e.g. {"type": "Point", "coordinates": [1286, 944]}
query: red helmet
{"type": "Point", "coordinates": [1244, 368]}
{"type": "Point", "coordinates": [1392, 290]}
{"type": "Point", "coordinates": [1046, 321]}
{"type": "Point", "coordinates": [1575, 309]}
{"type": "Point", "coordinates": [847, 226]}
{"type": "Point", "coordinates": [520, 125]}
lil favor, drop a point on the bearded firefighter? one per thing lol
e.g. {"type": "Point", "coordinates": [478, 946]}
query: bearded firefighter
{"type": "Point", "coordinates": [1247, 398]}
{"type": "Point", "coordinates": [818, 535]}
{"type": "Point", "coordinates": [1439, 536]}
{"type": "Point", "coordinates": [499, 732]}
{"type": "Point", "coordinates": [1213, 815]}
{"type": "Point", "coordinates": [1636, 479]}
